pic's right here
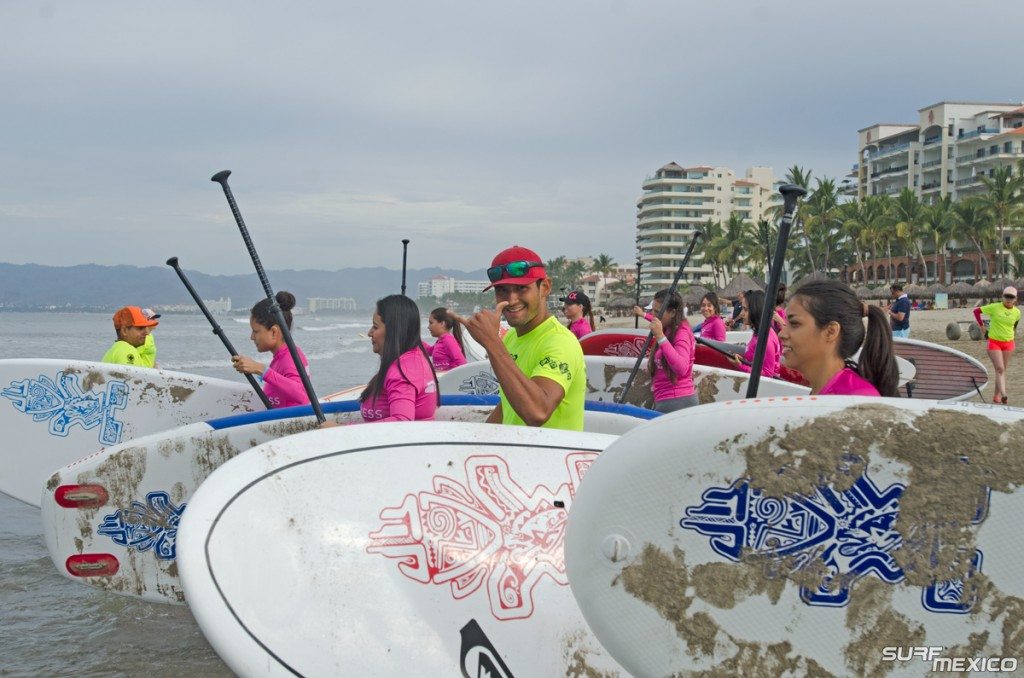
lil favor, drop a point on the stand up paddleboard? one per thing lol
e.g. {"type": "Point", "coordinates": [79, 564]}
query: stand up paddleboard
{"type": "Point", "coordinates": [943, 373]}
{"type": "Point", "coordinates": [55, 411]}
{"type": "Point", "coordinates": [110, 520]}
{"type": "Point", "coordinates": [803, 536]}
{"type": "Point", "coordinates": [607, 375]}
{"type": "Point", "coordinates": [386, 550]}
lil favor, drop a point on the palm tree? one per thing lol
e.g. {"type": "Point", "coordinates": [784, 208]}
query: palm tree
{"type": "Point", "coordinates": [908, 217]}
{"type": "Point", "coordinates": [712, 231]}
{"type": "Point", "coordinates": [574, 271]}
{"type": "Point", "coordinates": [734, 245]}
{"type": "Point", "coordinates": [974, 222]}
{"type": "Point", "coordinates": [865, 221]}
{"type": "Point", "coordinates": [821, 223]}
{"type": "Point", "coordinates": [1003, 202]}
{"type": "Point", "coordinates": [603, 265]}
{"type": "Point", "coordinates": [939, 219]}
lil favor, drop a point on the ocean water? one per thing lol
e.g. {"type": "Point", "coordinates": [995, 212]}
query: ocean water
{"type": "Point", "coordinates": [50, 625]}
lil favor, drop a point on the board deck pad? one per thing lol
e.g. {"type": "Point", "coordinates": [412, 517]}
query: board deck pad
{"type": "Point", "coordinates": [147, 484]}
{"type": "Point", "coordinates": [942, 372]}
{"type": "Point", "coordinates": [804, 535]}
{"type": "Point", "coordinates": [433, 550]}
{"type": "Point", "coordinates": [607, 376]}
{"type": "Point", "coordinates": [53, 412]}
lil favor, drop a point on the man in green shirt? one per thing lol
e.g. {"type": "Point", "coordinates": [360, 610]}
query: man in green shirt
{"type": "Point", "coordinates": [538, 363]}
{"type": "Point", "coordinates": [132, 328]}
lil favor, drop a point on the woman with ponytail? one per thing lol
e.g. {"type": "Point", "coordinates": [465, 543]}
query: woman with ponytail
{"type": "Point", "coordinates": [577, 310]}
{"type": "Point", "coordinates": [824, 328]}
{"type": "Point", "coordinates": [671, 366]}
{"type": "Point", "coordinates": [281, 380]}
{"type": "Point", "coordinates": [405, 386]}
{"type": "Point", "coordinates": [449, 351]}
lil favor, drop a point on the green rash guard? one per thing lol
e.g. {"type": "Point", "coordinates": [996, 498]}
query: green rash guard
{"type": "Point", "coordinates": [147, 352]}
{"type": "Point", "coordinates": [123, 353]}
{"type": "Point", "coordinates": [551, 351]}
{"type": "Point", "coordinates": [1001, 321]}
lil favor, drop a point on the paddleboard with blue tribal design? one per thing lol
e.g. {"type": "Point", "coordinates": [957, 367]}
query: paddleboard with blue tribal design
{"type": "Point", "coordinates": [53, 412]}
{"type": "Point", "coordinates": [798, 534]}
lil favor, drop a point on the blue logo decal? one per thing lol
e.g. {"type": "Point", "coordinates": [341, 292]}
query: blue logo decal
{"type": "Point", "coordinates": [153, 525]}
{"type": "Point", "coordinates": [483, 383]}
{"type": "Point", "coordinates": [64, 404]}
{"type": "Point", "coordinates": [851, 532]}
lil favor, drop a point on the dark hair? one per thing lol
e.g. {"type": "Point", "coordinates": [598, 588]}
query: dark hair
{"type": "Point", "coordinates": [713, 298]}
{"type": "Point", "coordinates": [755, 307]}
{"type": "Point", "coordinates": [780, 295]}
{"type": "Point", "coordinates": [673, 303]}
{"type": "Point", "coordinates": [442, 315]}
{"type": "Point", "coordinates": [832, 301]}
{"type": "Point", "coordinates": [401, 318]}
{"type": "Point", "coordinates": [896, 287]}
{"type": "Point", "coordinates": [262, 314]}
{"type": "Point", "coordinates": [588, 309]}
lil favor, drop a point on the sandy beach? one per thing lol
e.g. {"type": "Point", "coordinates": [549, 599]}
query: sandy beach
{"type": "Point", "coordinates": [931, 326]}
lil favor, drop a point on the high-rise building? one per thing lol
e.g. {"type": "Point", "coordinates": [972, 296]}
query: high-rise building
{"type": "Point", "coordinates": [677, 200]}
{"type": "Point", "coordinates": [952, 145]}
{"type": "Point", "coordinates": [318, 304]}
{"type": "Point", "coordinates": [440, 285]}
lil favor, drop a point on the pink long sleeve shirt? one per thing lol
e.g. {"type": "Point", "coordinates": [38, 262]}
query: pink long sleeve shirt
{"type": "Point", "coordinates": [404, 398]}
{"type": "Point", "coordinates": [847, 382]}
{"type": "Point", "coordinates": [580, 327]}
{"type": "Point", "coordinates": [446, 352]}
{"type": "Point", "coordinates": [281, 380]}
{"type": "Point", "coordinates": [679, 354]}
{"type": "Point", "coordinates": [713, 328]}
{"type": "Point", "coordinates": [772, 355]}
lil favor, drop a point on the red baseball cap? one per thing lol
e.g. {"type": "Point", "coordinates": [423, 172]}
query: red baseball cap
{"type": "Point", "coordinates": [515, 266]}
{"type": "Point", "coordinates": [132, 316]}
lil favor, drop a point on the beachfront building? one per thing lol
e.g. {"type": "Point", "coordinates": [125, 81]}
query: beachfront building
{"type": "Point", "coordinates": [320, 304]}
{"type": "Point", "coordinates": [440, 285]}
{"type": "Point", "coordinates": [676, 200]}
{"type": "Point", "coordinates": [222, 305]}
{"type": "Point", "coordinates": [945, 152]}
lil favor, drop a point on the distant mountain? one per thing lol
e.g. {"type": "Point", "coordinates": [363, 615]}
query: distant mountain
{"type": "Point", "coordinates": [90, 286]}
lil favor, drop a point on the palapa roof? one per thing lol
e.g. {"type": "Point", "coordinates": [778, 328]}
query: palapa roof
{"type": "Point", "coordinates": [741, 283]}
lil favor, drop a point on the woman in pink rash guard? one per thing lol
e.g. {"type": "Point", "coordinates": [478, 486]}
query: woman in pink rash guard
{"type": "Point", "coordinates": [281, 380]}
{"type": "Point", "coordinates": [448, 352]}
{"type": "Point", "coordinates": [405, 386]}
{"type": "Point", "coordinates": [671, 366]}
{"type": "Point", "coordinates": [713, 326]}
{"type": "Point", "coordinates": [577, 310]}
{"type": "Point", "coordinates": [825, 326]}
{"type": "Point", "coordinates": [753, 307]}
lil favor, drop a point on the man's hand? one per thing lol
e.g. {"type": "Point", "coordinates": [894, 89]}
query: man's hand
{"type": "Point", "coordinates": [485, 325]}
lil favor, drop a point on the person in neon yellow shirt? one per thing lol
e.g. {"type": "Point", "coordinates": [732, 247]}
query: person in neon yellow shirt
{"type": "Point", "coordinates": [132, 328]}
{"type": "Point", "coordinates": [1003, 319]}
{"type": "Point", "coordinates": [539, 363]}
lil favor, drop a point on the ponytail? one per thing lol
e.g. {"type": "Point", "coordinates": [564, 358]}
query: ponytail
{"type": "Point", "coordinates": [877, 363]}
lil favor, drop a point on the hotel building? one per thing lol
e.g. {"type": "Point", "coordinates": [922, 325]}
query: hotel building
{"type": "Point", "coordinates": [677, 200]}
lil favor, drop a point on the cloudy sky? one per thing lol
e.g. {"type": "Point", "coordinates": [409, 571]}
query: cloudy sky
{"type": "Point", "coordinates": [463, 126]}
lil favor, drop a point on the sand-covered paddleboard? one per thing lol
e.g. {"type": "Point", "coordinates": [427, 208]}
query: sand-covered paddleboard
{"type": "Point", "coordinates": [386, 550]}
{"type": "Point", "coordinates": [55, 411]}
{"type": "Point", "coordinates": [110, 520]}
{"type": "Point", "coordinates": [805, 535]}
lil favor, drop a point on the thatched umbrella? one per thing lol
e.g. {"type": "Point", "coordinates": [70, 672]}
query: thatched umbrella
{"type": "Point", "coordinates": [865, 292]}
{"type": "Point", "coordinates": [981, 288]}
{"type": "Point", "coordinates": [621, 302]}
{"type": "Point", "coordinates": [998, 285]}
{"type": "Point", "coordinates": [1018, 283]}
{"type": "Point", "coordinates": [694, 294]}
{"type": "Point", "coordinates": [914, 290]}
{"type": "Point", "coordinates": [741, 283]}
{"type": "Point", "coordinates": [882, 292]}
{"type": "Point", "coordinates": [935, 288]}
{"type": "Point", "coordinates": [960, 289]}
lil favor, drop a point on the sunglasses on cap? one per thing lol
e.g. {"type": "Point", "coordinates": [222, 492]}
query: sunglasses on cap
{"type": "Point", "coordinates": [513, 269]}
{"type": "Point", "coordinates": [1009, 296]}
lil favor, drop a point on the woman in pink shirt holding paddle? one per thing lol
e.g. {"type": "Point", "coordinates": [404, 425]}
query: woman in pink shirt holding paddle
{"type": "Point", "coordinates": [281, 380]}
{"type": "Point", "coordinates": [825, 327]}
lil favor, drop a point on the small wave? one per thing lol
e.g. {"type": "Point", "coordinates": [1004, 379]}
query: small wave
{"type": "Point", "coordinates": [244, 321]}
{"type": "Point", "coordinates": [194, 364]}
{"type": "Point", "coordinates": [327, 355]}
{"type": "Point", "coordinates": [336, 326]}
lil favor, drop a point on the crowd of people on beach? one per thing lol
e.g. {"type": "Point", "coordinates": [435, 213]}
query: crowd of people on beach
{"type": "Point", "coordinates": [539, 363]}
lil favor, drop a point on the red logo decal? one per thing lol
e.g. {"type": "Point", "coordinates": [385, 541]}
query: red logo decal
{"type": "Point", "coordinates": [488, 532]}
{"type": "Point", "coordinates": [628, 348]}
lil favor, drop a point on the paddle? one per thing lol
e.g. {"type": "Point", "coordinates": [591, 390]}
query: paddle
{"type": "Point", "coordinates": [636, 319]}
{"type": "Point", "coordinates": [405, 249]}
{"type": "Point", "coordinates": [650, 335]}
{"type": "Point", "coordinates": [791, 194]}
{"type": "Point", "coordinates": [222, 179]}
{"type": "Point", "coordinates": [173, 263]}
{"type": "Point", "coordinates": [724, 349]}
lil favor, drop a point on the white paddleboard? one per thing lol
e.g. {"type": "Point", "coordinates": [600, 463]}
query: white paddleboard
{"type": "Point", "coordinates": [607, 375]}
{"type": "Point", "coordinates": [110, 520]}
{"type": "Point", "coordinates": [55, 411]}
{"type": "Point", "coordinates": [436, 552]}
{"type": "Point", "coordinates": [804, 534]}
{"type": "Point", "coordinates": [942, 373]}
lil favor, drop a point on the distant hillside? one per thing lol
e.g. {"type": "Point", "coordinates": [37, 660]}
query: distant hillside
{"type": "Point", "coordinates": [89, 286]}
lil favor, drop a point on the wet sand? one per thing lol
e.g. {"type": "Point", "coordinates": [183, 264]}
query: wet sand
{"type": "Point", "coordinates": [931, 326]}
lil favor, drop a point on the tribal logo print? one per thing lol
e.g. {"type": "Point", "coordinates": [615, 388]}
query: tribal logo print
{"type": "Point", "coordinates": [153, 525]}
{"type": "Point", "coordinates": [629, 348]}
{"type": "Point", "coordinates": [555, 365]}
{"type": "Point", "coordinates": [62, 402]}
{"type": "Point", "coordinates": [485, 532]}
{"type": "Point", "coordinates": [851, 532]}
{"type": "Point", "coordinates": [483, 383]}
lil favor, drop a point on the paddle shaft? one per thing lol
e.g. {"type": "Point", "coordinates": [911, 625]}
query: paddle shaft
{"type": "Point", "coordinates": [636, 319]}
{"type": "Point", "coordinates": [791, 194]}
{"type": "Point", "coordinates": [661, 313]}
{"type": "Point", "coordinates": [173, 263]}
{"type": "Point", "coordinates": [405, 249]}
{"type": "Point", "coordinates": [222, 179]}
